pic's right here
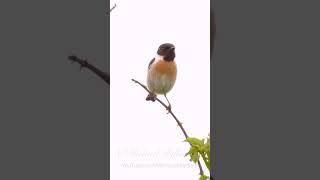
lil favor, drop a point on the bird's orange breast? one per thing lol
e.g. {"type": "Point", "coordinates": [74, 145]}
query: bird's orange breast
{"type": "Point", "coordinates": [162, 76]}
{"type": "Point", "coordinates": [168, 68]}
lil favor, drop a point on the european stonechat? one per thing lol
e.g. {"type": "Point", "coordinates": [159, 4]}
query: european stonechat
{"type": "Point", "coordinates": [162, 72]}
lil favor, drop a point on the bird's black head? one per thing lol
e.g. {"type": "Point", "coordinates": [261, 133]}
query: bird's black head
{"type": "Point", "coordinates": [167, 51]}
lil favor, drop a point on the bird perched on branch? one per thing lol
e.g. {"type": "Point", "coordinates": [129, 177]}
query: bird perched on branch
{"type": "Point", "coordinates": [162, 72]}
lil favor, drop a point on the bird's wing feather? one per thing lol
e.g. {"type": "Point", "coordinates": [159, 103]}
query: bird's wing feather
{"type": "Point", "coordinates": [151, 63]}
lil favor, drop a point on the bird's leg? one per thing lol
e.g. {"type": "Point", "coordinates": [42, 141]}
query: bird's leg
{"type": "Point", "coordinates": [169, 105]}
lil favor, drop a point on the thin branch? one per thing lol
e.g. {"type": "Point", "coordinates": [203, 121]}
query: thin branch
{"type": "Point", "coordinates": [173, 115]}
{"type": "Point", "coordinates": [84, 64]}
{"type": "Point", "coordinates": [114, 6]}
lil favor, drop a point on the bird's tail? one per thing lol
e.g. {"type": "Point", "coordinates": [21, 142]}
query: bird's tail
{"type": "Point", "coordinates": [151, 97]}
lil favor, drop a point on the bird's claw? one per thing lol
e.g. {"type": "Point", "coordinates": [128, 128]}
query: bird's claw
{"type": "Point", "coordinates": [151, 97]}
{"type": "Point", "coordinates": [168, 108]}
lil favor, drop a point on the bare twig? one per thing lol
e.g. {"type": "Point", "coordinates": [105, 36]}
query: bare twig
{"type": "Point", "coordinates": [173, 115]}
{"type": "Point", "coordinates": [114, 6]}
{"type": "Point", "coordinates": [84, 64]}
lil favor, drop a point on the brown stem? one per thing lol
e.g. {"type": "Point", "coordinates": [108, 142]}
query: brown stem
{"type": "Point", "coordinates": [173, 115]}
{"type": "Point", "coordinates": [84, 64]}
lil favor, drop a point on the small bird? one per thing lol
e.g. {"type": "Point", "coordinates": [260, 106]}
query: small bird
{"type": "Point", "coordinates": [162, 72]}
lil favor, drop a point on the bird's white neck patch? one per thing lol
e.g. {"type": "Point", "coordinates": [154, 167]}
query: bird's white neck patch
{"type": "Point", "coordinates": [158, 57]}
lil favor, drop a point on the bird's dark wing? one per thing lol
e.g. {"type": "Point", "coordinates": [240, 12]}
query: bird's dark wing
{"type": "Point", "coordinates": [151, 63]}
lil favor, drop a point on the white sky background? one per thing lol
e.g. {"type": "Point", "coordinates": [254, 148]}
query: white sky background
{"type": "Point", "coordinates": [146, 143]}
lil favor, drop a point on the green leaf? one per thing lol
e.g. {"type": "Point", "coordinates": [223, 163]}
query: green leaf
{"type": "Point", "coordinates": [199, 147]}
{"type": "Point", "coordinates": [194, 154]}
{"type": "Point", "coordinates": [208, 155]}
{"type": "Point", "coordinates": [195, 157]}
{"type": "Point", "coordinates": [203, 177]}
{"type": "Point", "coordinates": [195, 141]}
{"type": "Point", "coordinates": [191, 151]}
{"type": "Point", "coordinates": [207, 147]}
